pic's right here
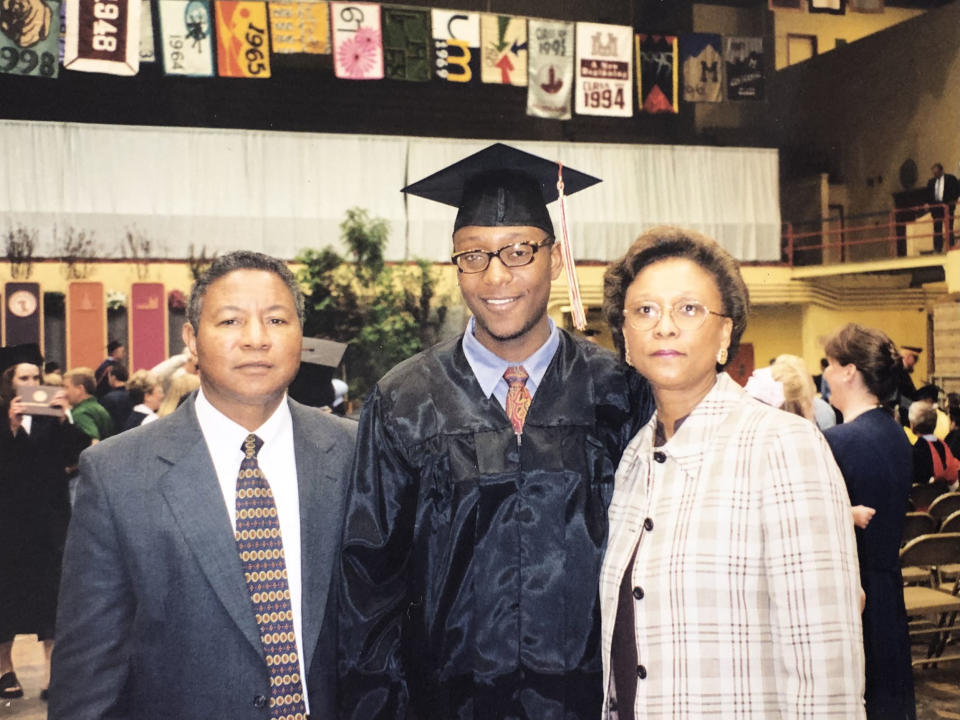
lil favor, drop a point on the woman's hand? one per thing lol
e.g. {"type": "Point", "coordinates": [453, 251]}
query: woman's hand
{"type": "Point", "coordinates": [16, 415]}
{"type": "Point", "coordinates": [862, 515]}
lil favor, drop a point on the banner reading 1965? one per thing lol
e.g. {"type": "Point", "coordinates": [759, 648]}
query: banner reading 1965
{"type": "Point", "coordinates": [103, 36]}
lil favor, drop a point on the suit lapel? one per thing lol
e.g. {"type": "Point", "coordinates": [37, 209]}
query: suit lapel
{"type": "Point", "coordinates": [319, 528]}
{"type": "Point", "coordinates": [193, 493]}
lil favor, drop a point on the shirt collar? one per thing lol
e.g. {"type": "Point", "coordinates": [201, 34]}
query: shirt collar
{"type": "Point", "coordinates": [488, 367]}
{"type": "Point", "coordinates": [229, 434]}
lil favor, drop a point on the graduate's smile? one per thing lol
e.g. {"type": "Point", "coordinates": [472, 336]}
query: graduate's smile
{"type": "Point", "coordinates": [509, 304]}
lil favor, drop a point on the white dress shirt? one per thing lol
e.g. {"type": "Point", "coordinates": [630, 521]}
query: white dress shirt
{"type": "Point", "coordinates": [938, 189]}
{"type": "Point", "coordinates": [277, 460]}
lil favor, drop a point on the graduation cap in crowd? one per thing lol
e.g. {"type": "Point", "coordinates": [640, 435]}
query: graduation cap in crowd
{"type": "Point", "coordinates": [502, 186]}
{"type": "Point", "coordinates": [910, 348]}
{"type": "Point", "coordinates": [16, 354]}
{"type": "Point", "coordinates": [313, 384]}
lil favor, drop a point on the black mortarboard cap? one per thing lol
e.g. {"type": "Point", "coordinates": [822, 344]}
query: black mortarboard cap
{"type": "Point", "coordinates": [501, 186]}
{"type": "Point", "coordinates": [313, 383]}
{"type": "Point", "coordinates": [912, 348]}
{"type": "Point", "coordinates": [16, 354]}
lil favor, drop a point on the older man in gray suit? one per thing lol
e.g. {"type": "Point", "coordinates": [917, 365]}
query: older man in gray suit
{"type": "Point", "coordinates": [198, 574]}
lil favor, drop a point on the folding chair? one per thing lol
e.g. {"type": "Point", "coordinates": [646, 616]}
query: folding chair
{"type": "Point", "coordinates": [944, 505]}
{"type": "Point", "coordinates": [937, 608]}
{"type": "Point", "coordinates": [923, 494]}
{"type": "Point", "coordinates": [916, 524]}
{"type": "Point", "coordinates": [952, 571]}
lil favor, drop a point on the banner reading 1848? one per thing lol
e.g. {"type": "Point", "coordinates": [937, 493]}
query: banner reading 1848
{"type": "Point", "coordinates": [103, 36]}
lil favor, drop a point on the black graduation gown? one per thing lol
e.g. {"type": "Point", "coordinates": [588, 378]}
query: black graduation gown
{"type": "Point", "coordinates": [876, 460]}
{"type": "Point", "coordinates": [34, 513]}
{"type": "Point", "coordinates": [470, 565]}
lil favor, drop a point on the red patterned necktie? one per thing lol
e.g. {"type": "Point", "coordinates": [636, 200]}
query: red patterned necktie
{"type": "Point", "coordinates": [261, 554]}
{"type": "Point", "coordinates": [518, 397]}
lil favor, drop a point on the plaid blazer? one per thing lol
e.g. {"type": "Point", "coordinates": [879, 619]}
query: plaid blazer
{"type": "Point", "coordinates": [746, 557]}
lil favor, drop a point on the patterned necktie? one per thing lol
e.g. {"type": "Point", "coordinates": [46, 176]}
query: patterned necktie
{"type": "Point", "coordinates": [261, 554]}
{"type": "Point", "coordinates": [518, 397]}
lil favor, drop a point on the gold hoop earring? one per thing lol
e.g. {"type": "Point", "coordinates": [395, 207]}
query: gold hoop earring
{"type": "Point", "coordinates": [722, 356]}
{"type": "Point", "coordinates": [626, 352]}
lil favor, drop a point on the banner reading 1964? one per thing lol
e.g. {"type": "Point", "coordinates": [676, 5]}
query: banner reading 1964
{"type": "Point", "coordinates": [103, 36]}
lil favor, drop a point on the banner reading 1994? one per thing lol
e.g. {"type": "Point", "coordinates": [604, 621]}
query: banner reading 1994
{"type": "Point", "coordinates": [604, 70]}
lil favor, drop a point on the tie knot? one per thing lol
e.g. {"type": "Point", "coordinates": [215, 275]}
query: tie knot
{"type": "Point", "coordinates": [515, 376]}
{"type": "Point", "coordinates": [251, 445]}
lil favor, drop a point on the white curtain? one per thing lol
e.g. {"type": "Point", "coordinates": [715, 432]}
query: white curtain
{"type": "Point", "coordinates": [220, 190]}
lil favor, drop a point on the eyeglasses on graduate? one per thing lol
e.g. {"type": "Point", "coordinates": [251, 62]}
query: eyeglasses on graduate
{"type": "Point", "coordinates": [513, 255]}
{"type": "Point", "coordinates": [685, 314]}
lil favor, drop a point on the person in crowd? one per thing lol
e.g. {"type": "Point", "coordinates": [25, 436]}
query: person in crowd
{"type": "Point", "coordinates": [822, 386]}
{"type": "Point", "coordinates": [117, 401]}
{"type": "Point", "coordinates": [729, 585]}
{"type": "Point", "coordinates": [930, 394]}
{"type": "Point", "coordinates": [35, 452]}
{"type": "Point", "coordinates": [87, 412]}
{"type": "Point", "coordinates": [942, 189]}
{"type": "Point", "coordinates": [146, 394]}
{"type": "Point", "coordinates": [183, 363]}
{"type": "Point", "coordinates": [906, 389]}
{"type": "Point", "coordinates": [476, 516]}
{"type": "Point", "coordinates": [116, 352]}
{"type": "Point", "coordinates": [199, 574]}
{"type": "Point", "coordinates": [874, 457]}
{"type": "Point", "coordinates": [933, 461]}
{"type": "Point", "coordinates": [340, 389]}
{"type": "Point", "coordinates": [180, 390]}
{"type": "Point", "coordinates": [952, 440]}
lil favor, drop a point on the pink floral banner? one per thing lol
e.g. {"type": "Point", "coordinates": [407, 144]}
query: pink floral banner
{"type": "Point", "coordinates": [357, 41]}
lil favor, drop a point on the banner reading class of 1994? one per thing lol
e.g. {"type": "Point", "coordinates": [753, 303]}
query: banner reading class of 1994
{"type": "Point", "coordinates": [28, 39]}
{"type": "Point", "coordinates": [604, 70]}
{"type": "Point", "coordinates": [456, 45]}
{"type": "Point", "coordinates": [243, 46]}
{"type": "Point", "coordinates": [103, 36]}
{"type": "Point", "coordinates": [657, 73]}
{"type": "Point", "coordinates": [186, 37]}
{"type": "Point", "coordinates": [300, 27]}
{"type": "Point", "coordinates": [357, 39]}
{"type": "Point", "coordinates": [550, 69]}
{"type": "Point", "coordinates": [504, 42]}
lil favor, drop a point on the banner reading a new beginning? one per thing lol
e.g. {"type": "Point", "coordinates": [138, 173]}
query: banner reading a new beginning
{"type": "Point", "coordinates": [657, 73]}
{"type": "Point", "coordinates": [456, 45]}
{"type": "Point", "coordinates": [701, 55]}
{"type": "Point", "coordinates": [357, 41]}
{"type": "Point", "coordinates": [103, 36]}
{"type": "Point", "coordinates": [550, 69]}
{"type": "Point", "coordinates": [604, 71]}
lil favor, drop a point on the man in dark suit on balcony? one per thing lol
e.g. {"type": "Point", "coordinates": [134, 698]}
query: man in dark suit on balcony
{"type": "Point", "coordinates": [942, 190]}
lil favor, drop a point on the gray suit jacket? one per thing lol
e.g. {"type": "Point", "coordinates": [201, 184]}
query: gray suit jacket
{"type": "Point", "coordinates": [155, 619]}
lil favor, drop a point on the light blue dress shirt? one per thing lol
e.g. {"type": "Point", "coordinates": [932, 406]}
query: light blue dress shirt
{"type": "Point", "coordinates": [488, 367]}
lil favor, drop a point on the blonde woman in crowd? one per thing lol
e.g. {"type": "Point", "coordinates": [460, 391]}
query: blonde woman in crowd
{"type": "Point", "coordinates": [181, 385]}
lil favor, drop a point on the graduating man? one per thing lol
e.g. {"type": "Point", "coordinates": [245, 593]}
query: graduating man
{"type": "Point", "coordinates": [199, 574]}
{"type": "Point", "coordinates": [476, 518]}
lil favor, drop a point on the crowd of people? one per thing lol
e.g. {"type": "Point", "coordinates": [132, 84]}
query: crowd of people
{"type": "Point", "coordinates": [522, 524]}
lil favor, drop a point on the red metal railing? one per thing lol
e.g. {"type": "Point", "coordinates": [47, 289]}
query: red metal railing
{"type": "Point", "coordinates": [870, 236]}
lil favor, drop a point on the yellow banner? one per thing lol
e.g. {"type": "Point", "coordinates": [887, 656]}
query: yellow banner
{"type": "Point", "coordinates": [300, 27]}
{"type": "Point", "coordinates": [243, 46]}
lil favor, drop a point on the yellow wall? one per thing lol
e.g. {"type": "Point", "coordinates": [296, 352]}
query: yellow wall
{"type": "Point", "coordinates": [827, 28]}
{"type": "Point", "coordinates": [113, 275]}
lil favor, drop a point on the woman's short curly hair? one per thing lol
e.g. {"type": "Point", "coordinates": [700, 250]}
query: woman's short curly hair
{"type": "Point", "coordinates": [667, 243]}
